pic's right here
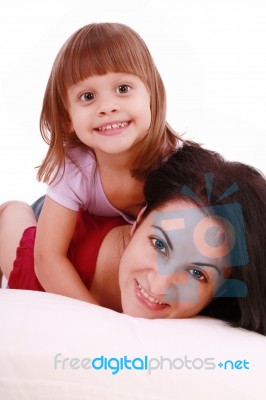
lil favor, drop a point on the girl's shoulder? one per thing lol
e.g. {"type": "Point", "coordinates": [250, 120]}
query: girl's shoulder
{"type": "Point", "coordinates": [79, 167]}
{"type": "Point", "coordinates": [77, 182]}
{"type": "Point", "coordinates": [80, 159]}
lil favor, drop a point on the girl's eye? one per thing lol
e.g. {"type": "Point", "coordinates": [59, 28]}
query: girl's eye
{"type": "Point", "coordinates": [197, 274]}
{"type": "Point", "coordinates": [88, 96]}
{"type": "Point", "coordinates": [159, 245]}
{"type": "Point", "coordinates": [123, 89]}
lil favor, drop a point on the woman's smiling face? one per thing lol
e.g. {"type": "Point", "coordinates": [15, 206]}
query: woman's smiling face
{"type": "Point", "coordinates": [174, 263]}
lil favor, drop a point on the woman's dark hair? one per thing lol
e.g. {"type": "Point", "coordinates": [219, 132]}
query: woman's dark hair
{"type": "Point", "coordinates": [206, 178]}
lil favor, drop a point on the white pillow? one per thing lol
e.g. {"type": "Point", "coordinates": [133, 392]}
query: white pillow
{"type": "Point", "coordinates": [35, 327]}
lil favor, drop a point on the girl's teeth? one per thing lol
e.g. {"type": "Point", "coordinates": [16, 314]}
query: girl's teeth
{"type": "Point", "coordinates": [148, 297]}
{"type": "Point", "coordinates": [113, 126]}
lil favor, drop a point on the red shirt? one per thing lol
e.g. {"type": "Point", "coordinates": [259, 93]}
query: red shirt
{"type": "Point", "coordinates": [83, 251]}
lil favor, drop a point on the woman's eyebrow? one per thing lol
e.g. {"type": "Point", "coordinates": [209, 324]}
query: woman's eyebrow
{"type": "Point", "coordinates": [200, 264]}
{"type": "Point", "coordinates": [165, 235]}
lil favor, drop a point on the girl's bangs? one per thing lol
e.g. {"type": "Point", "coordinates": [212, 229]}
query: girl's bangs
{"type": "Point", "coordinates": [105, 53]}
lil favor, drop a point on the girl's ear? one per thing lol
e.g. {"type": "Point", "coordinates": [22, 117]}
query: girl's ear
{"type": "Point", "coordinates": [139, 217]}
{"type": "Point", "coordinates": [70, 127]}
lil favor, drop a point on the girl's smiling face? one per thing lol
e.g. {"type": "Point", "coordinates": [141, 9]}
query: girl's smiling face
{"type": "Point", "coordinates": [168, 269]}
{"type": "Point", "coordinates": [110, 112]}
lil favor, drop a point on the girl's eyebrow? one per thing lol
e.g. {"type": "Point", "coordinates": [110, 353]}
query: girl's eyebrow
{"type": "Point", "coordinates": [165, 235]}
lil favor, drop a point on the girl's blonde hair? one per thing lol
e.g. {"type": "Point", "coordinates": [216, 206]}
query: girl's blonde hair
{"type": "Point", "coordinates": [97, 49]}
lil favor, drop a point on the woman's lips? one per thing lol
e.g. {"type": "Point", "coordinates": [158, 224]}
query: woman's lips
{"type": "Point", "coordinates": [148, 300]}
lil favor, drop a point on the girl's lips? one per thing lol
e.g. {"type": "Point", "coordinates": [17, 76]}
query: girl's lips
{"type": "Point", "coordinates": [112, 129]}
{"type": "Point", "coordinates": [143, 298]}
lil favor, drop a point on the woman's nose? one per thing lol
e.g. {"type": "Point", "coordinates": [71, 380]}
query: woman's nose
{"type": "Point", "coordinates": [159, 283]}
{"type": "Point", "coordinates": [168, 288]}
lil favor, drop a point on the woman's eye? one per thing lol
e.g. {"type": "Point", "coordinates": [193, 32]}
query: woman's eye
{"type": "Point", "coordinates": [88, 96]}
{"type": "Point", "coordinates": [197, 274]}
{"type": "Point", "coordinates": [123, 89]}
{"type": "Point", "coordinates": [159, 245]}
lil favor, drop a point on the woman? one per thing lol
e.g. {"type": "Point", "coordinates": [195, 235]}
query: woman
{"type": "Point", "coordinates": [199, 246]}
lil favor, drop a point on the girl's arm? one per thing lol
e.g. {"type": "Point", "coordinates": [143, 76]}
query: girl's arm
{"type": "Point", "coordinates": [53, 269]}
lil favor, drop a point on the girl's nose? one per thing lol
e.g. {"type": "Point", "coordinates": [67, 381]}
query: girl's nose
{"type": "Point", "coordinates": [108, 106]}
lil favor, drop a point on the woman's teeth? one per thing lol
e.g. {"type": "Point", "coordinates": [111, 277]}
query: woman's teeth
{"type": "Point", "coordinates": [148, 297]}
{"type": "Point", "coordinates": [113, 126]}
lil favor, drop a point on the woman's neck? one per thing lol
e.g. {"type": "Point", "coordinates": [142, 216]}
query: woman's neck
{"type": "Point", "coordinates": [105, 285]}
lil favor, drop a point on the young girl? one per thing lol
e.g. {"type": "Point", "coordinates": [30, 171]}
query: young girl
{"type": "Point", "coordinates": [103, 117]}
{"type": "Point", "coordinates": [198, 247]}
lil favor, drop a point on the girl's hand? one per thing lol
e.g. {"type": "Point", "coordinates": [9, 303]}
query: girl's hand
{"type": "Point", "coordinates": [53, 269]}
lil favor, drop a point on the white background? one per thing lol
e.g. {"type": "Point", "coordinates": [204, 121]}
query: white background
{"type": "Point", "coordinates": [211, 55]}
